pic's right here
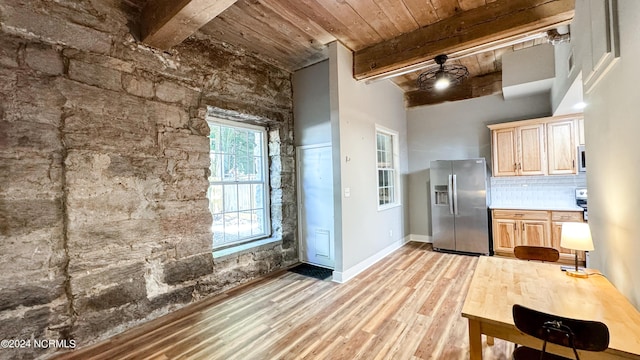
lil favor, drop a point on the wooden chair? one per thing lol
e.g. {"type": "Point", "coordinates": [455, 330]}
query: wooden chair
{"type": "Point", "coordinates": [539, 253]}
{"type": "Point", "coordinates": [572, 333]}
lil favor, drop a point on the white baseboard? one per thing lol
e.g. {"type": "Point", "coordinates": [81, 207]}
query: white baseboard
{"type": "Point", "coordinates": [344, 276]}
{"type": "Point", "coordinates": [420, 238]}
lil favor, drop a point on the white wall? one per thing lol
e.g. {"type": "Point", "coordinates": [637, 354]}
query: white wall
{"type": "Point", "coordinates": [564, 79]}
{"type": "Point", "coordinates": [311, 107]}
{"type": "Point", "coordinates": [365, 230]}
{"type": "Point", "coordinates": [612, 129]}
{"type": "Point", "coordinates": [528, 71]}
{"type": "Point", "coordinates": [456, 130]}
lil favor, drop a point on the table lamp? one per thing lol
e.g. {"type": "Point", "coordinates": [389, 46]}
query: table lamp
{"type": "Point", "coordinates": [576, 236]}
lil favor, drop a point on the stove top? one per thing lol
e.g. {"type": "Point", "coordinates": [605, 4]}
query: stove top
{"type": "Point", "coordinates": [581, 200]}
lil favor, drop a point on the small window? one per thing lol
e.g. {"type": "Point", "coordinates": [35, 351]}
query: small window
{"type": "Point", "coordinates": [238, 184]}
{"type": "Point", "coordinates": [387, 166]}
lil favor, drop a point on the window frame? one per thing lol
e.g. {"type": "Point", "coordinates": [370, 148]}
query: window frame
{"type": "Point", "coordinates": [266, 194]}
{"type": "Point", "coordinates": [395, 167]}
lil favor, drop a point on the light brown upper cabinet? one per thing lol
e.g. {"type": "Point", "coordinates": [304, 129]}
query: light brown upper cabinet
{"type": "Point", "coordinates": [504, 151]}
{"type": "Point", "coordinates": [519, 151]}
{"type": "Point", "coordinates": [546, 146]}
{"type": "Point", "coordinates": [532, 150]}
{"type": "Point", "coordinates": [562, 147]}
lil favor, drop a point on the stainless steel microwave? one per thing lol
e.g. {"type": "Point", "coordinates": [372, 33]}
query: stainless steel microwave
{"type": "Point", "coordinates": [582, 159]}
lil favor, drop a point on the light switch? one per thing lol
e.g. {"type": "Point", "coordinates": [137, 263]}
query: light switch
{"type": "Point", "coordinates": [347, 192]}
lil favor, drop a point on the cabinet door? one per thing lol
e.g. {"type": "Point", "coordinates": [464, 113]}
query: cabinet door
{"type": "Point", "coordinates": [561, 147]}
{"type": "Point", "coordinates": [532, 158]}
{"type": "Point", "coordinates": [565, 254]}
{"type": "Point", "coordinates": [535, 233]}
{"type": "Point", "coordinates": [580, 124]}
{"type": "Point", "coordinates": [504, 152]}
{"type": "Point", "coordinates": [504, 236]}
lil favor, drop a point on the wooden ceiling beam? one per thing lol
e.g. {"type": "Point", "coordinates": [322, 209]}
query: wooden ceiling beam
{"type": "Point", "coordinates": [166, 23]}
{"type": "Point", "coordinates": [477, 86]}
{"type": "Point", "coordinates": [501, 21]}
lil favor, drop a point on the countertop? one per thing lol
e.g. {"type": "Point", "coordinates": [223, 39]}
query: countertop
{"type": "Point", "coordinates": [552, 207]}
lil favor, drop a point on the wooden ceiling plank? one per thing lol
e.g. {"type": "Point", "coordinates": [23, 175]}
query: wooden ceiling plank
{"type": "Point", "coordinates": [471, 4]}
{"type": "Point", "coordinates": [423, 11]}
{"type": "Point", "coordinates": [352, 21]}
{"type": "Point", "coordinates": [247, 36]}
{"type": "Point", "coordinates": [493, 23]}
{"type": "Point", "coordinates": [374, 16]}
{"type": "Point", "coordinates": [399, 15]}
{"type": "Point", "coordinates": [254, 30]}
{"type": "Point", "coordinates": [166, 23]}
{"type": "Point", "coordinates": [243, 40]}
{"type": "Point", "coordinates": [487, 61]}
{"type": "Point", "coordinates": [473, 87]}
{"type": "Point", "coordinates": [472, 64]}
{"type": "Point", "coordinates": [445, 8]}
{"type": "Point", "coordinates": [301, 20]}
{"type": "Point", "coordinates": [279, 30]}
{"type": "Point", "coordinates": [326, 20]}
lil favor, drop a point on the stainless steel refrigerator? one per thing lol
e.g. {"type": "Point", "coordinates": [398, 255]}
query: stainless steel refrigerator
{"type": "Point", "coordinates": [459, 217]}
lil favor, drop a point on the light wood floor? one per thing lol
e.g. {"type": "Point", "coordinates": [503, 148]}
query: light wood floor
{"type": "Point", "coordinates": [407, 306]}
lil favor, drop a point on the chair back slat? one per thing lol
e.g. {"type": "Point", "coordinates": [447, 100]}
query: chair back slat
{"type": "Point", "coordinates": [539, 253]}
{"type": "Point", "coordinates": [587, 335]}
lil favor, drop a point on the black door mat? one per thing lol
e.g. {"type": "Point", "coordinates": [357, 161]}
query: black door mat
{"type": "Point", "coordinates": [317, 272]}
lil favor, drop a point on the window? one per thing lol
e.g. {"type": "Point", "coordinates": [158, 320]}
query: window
{"type": "Point", "coordinates": [238, 185]}
{"type": "Point", "coordinates": [387, 166]}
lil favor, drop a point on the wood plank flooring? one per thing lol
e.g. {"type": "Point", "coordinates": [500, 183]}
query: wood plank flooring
{"type": "Point", "coordinates": [407, 306]}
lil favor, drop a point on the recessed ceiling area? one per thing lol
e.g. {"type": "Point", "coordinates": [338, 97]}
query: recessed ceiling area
{"type": "Point", "coordinates": [393, 40]}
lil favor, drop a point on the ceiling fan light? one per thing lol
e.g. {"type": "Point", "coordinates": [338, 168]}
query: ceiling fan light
{"type": "Point", "coordinates": [442, 83]}
{"type": "Point", "coordinates": [442, 77]}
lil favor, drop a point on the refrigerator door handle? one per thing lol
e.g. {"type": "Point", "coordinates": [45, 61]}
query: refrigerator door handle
{"type": "Point", "coordinates": [450, 194]}
{"type": "Point", "coordinates": [455, 195]}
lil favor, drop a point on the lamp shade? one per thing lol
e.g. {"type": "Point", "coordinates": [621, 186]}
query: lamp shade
{"type": "Point", "coordinates": [576, 236]}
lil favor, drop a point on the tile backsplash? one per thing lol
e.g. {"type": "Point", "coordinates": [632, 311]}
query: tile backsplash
{"type": "Point", "coordinates": [536, 191]}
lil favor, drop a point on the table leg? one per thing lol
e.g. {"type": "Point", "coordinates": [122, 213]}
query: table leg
{"type": "Point", "coordinates": [490, 340]}
{"type": "Point", "coordinates": [475, 340]}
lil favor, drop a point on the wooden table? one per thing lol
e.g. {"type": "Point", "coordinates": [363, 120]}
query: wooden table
{"type": "Point", "coordinates": [498, 283]}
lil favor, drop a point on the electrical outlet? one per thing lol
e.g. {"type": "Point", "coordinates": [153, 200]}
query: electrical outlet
{"type": "Point", "coordinates": [390, 233]}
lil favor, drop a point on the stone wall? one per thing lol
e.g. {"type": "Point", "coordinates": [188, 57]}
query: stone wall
{"type": "Point", "coordinates": [104, 219]}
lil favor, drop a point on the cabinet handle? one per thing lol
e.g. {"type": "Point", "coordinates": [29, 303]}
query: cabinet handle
{"type": "Point", "coordinates": [574, 164]}
{"type": "Point", "coordinates": [522, 227]}
{"type": "Point", "coordinates": [519, 215]}
{"type": "Point", "coordinates": [519, 166]}
{"type": "Point", "coordinates": [515, 166]}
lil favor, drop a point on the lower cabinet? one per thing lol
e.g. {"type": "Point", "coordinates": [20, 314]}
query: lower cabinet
{"type": "Point", "coordinates": [512, 228]}
{"type": "Point", "coordinates": [557, 218]}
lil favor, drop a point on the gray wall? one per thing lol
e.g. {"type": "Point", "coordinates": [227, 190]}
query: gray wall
{"type": "Point", "coordinates": [612, 125]}
{"type": "Point", "coordinates": [564, 78]}
{"type": "Point", "coordinates": [357, 108]}
{"type": "Point", "coordinates": [311, 107]}
{"type": "Point", "coordinates": [456, 130]}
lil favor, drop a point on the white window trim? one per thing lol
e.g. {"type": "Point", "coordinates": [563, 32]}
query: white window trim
{"type": "Point", "coordinates": [395, 139]}
{"type": "Point", "coordinates": [267, 186]}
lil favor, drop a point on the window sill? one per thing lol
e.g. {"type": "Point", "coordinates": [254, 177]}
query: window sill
{"type": "Point", "coordinates": [243, 248]}
{"type": "Point", "coordinates": [389, 206]}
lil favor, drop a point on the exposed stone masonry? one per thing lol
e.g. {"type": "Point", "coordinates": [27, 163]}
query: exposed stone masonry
{"type": "Point", "coordinates": [104, 160]}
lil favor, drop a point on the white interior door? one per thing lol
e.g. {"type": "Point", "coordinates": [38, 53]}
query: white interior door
{"type": "Point", "coordinates": [315, 205]}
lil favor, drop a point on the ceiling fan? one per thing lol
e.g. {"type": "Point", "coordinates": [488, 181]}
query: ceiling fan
{"type": "Point", "coordinates": [443, 76]}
